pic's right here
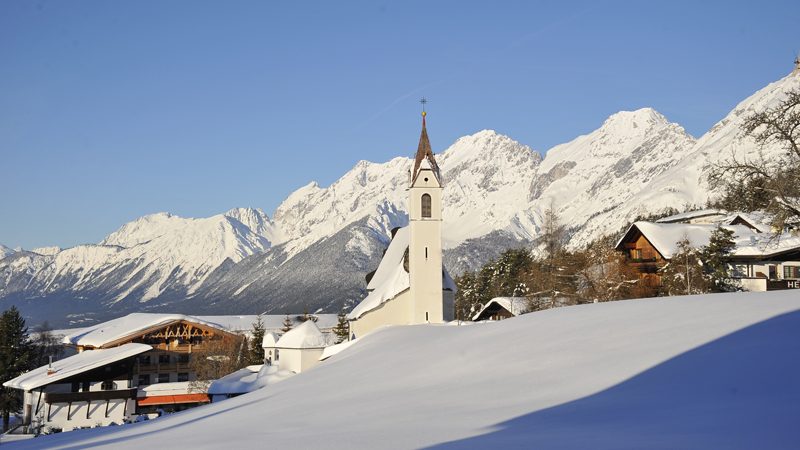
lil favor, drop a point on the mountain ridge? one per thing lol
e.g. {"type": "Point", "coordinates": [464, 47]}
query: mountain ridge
{"type": "Point", "coordinates": [495, 195]}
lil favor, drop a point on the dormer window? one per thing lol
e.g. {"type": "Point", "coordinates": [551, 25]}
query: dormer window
{"type": "Point", "coordinates": [426, 205]}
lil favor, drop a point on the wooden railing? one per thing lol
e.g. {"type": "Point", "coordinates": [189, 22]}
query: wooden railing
{"type": "Point", "coordinates": [91, 396]}
{"type": "Point", "coordinates": [160, 367]}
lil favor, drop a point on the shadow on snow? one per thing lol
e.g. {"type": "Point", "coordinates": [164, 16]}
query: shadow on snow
{"type": "Point", "coordinates": [739, 391]}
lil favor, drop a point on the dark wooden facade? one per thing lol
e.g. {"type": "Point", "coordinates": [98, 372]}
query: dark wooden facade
{"type": "Point", "coordinates": [642, 255]}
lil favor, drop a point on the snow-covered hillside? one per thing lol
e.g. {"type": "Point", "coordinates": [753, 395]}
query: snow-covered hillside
{"type": "Point", "coordinates": [495, 195]}
{"type": "Point", "coordinates": [711, 372]}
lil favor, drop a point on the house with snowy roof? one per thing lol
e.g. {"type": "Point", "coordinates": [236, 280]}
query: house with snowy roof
{"type": "Point", "coordinates": [758, 262]}
{"type": "Point", "coordinates": [411, 285]}
{"type": "Point", "coordinates": [500, 308]}
{"type": "Point", "coordinates": [130, 366]}
{"type": "Point", "coordinates": [83, 390]}
{"type": "Point", "coordinates": [300, 348]}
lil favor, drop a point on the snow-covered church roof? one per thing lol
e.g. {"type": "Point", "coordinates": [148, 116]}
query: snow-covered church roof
{"type": "Point", "coordinates": [391, 277]}
{"type": "Point", "coordinates": [74, 365]}
{"type": "Point", "coordinates": [306, 335]}
{"type": "Point", "coordinates": [269, 340]}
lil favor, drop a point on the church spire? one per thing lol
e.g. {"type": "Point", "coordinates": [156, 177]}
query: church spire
{"type": "Point", "coordinates": [424, 152]}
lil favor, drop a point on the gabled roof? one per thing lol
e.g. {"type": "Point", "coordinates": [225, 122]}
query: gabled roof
{"type": "Point", "coordinates": [692, 215]}
{"type": "Point", "coordinates": [304, 336]}
{"type": "Point", "coordinates": [514, 305]}
{"type": "Point", "coordinates": [74, 365]}
{"type": "Point", "coordinates": [750, 244]}
{"type": "Point", "coordinates": [424, 153]}
{"type": "Point", "coordinates": [114, 331]}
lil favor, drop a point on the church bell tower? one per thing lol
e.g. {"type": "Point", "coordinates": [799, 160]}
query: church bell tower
{"type": "Point", "coordinates": [425, 235]}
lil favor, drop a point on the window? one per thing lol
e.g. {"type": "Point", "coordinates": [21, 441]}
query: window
{"type": "Point", "coordinates": [183, 376]}
{"type": "Point", "coordinates": [426, 205]}
{"type": "Point", "coordinates": [773, 272]}
{"type": "Point", "coordinates": [76, 386]}
{"type": "Point", "coordinates": [144, 380]}
{"type": "Point", "coordinates": [107, 385]}
{"type": "Point", "coordinates": [183, 358]}
{"type": "Point", "coordinates": [163, 359]}
{"type": "Point", "coordinates": [791, 272]}
{"type": "Point", "coordinates": [144, 360]}
{"type": "Point", "coordinates": [277, 355]}
{"type": "Point", "coordinates": [163, 378]}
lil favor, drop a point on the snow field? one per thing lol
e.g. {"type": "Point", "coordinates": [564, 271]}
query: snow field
{"type": "Point", "coordinates": [711, 371]}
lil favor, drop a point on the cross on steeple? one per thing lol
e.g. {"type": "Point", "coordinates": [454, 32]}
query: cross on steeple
{"type": "Point", "coordinates": [423, 101]}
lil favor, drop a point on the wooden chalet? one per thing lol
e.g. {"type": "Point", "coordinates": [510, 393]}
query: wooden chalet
{"type": "Point", "coordinates": [173, 341]}
{"type": "Point", "coordinates": [642, 255]}
{"type": "Point", "coordinates": [757, 263]}
{"type": "Point", "coordinates": [501, 308]}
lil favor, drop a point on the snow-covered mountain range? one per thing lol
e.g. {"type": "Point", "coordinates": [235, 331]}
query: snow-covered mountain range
{"type": "Point", "coordinates": [320, 242]}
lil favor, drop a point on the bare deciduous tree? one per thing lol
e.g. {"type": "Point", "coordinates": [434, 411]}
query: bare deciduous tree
{"type": "Point", "coordinates": [219, 356]}
{"type": "Point", "coordinates": [774, 182]}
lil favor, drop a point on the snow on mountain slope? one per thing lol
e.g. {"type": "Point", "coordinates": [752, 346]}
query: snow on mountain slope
{"type": "Point", "coordinates": [687, 181]}
{"type": "Point", "coordinates": [375, 190]}
{"type": "Point", "coordinates": [486, 178]}
{"type": "Point", "coordinates": [144, 229]}
{"type": "Point", "coordinates": [258, 222]}
{"type": "Point", "coordinates": [593, 180]}
{"type": "Point", "coordinates": [713, 372]}
{"type": "Point", "coordinates": [47, 251]}
{"type": "Point", "coordinates": [5, 251]}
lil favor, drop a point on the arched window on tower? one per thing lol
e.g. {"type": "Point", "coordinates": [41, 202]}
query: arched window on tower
{"type": "Point", "coordinates": [426, 205]}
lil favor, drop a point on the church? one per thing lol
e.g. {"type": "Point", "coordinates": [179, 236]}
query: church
{"type": "Point", "coordinates": [411, 286]}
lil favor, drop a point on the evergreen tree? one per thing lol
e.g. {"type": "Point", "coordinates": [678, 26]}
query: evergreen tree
{"type": "Point", "coordinates": [287, 323]}
{"type": "Point", "coordinates": [16, 355]}
{"type": "Point", "coordinates": [256, 355]}
{"type": "Point", "coordinates": [342, 328]}
{"type": "Point", "coordinates": [716, 256]}
{"type": "Point", "coordinates": [468, 297]}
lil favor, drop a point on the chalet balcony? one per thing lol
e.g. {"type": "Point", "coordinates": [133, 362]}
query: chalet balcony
{"type": "Point", "coordinates": [646, 265]}
{"type": "Point", "coordinates": [161, 367]}
{"type": "Point", "coordinates": [180, 348]}
{"type": "Point", "coordinates": [92, 396]}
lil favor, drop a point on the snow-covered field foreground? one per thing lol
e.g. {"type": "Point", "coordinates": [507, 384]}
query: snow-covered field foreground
{"type": "Point", "coordinates": [713, 371]}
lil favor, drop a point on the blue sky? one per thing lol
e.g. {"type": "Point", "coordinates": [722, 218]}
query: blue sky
{"type": "Point", "coordinates": [113, 110]}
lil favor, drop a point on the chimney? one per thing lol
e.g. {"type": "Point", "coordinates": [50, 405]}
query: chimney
{"type": "Point", "coordinates": [50, 370]}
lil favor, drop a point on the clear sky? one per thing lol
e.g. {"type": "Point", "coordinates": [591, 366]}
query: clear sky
{"type": "Point", "coordinates": [112, 110]}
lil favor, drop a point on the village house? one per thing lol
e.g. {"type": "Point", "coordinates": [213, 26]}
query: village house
{"type": "Point", "coordinates": [411, 285]}
{"type": "Point", "coordinates": [500, 308]}
{"type": "Point", "coordinates": [758, 262]}
{"type": "Point", "coordinates": [129, 367]}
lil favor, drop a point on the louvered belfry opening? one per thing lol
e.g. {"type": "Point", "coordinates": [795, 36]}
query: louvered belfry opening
{"type": "Point", "coordinates": [426, 205]}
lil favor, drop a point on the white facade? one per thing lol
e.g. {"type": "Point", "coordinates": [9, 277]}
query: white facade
{"type": "Point", "coordinates": [425, 249]}
{"type": "Point", "coordinates": [300, 348]}
{"type": "Point", "coordinates": [414, 289]}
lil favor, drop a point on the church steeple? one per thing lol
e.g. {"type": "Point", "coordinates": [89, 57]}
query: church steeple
{"type": "Point", "coordinates": [424, 153]}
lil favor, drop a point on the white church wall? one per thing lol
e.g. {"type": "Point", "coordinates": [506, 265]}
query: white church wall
{"type": "Point", "coordinates": [298, 360]}
{"type": "Point", "coordinates": [394, 312]}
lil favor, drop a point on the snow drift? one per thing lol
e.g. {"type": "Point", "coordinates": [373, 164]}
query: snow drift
{"type": "Point", "coordinates": [711, 371]}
